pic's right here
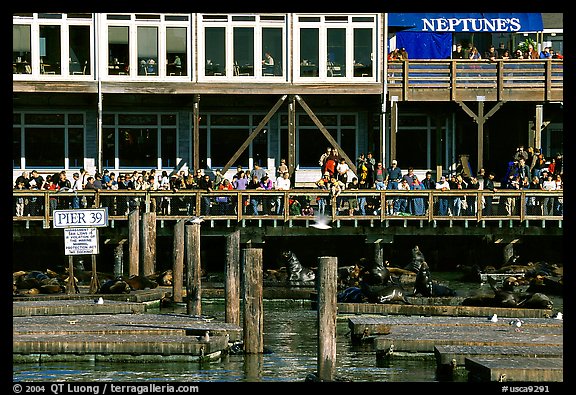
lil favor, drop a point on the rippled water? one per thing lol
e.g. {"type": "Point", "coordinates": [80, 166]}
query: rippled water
{"type": "Point", "coordinates": [290, 334]}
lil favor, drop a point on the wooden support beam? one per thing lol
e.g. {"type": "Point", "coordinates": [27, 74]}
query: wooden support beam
{"type": "Point", "coordinates": [327, 311]}
{"type": "Point", "coordinates": [260, 126]}
{"type": "Point", "coordinates": [326, 134]}
{"type": "Point", "coordinates": [196, 132]}
{"type": "Point", "coordinates": [193, 268]}
{"type": "Point", "coordinates": [178, 261]}
{"type": "Point", "coordinates": [480, 119]}
{"type": "Point", "coordinates": [232, 281]}
{"type": "Point", "coordinates": [292, 139]}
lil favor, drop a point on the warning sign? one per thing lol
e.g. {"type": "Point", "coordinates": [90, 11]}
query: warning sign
{"type": "Point", "coordinates": [80, 241]}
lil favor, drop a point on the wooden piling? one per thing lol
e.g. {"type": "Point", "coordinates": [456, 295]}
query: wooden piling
{"type": "Point", "coordinates": [148, 243]}
{"type": "Point", "coordinates": [119, 259]}
{"type": "Point", "coordinates": [178, 264]}
{"type": "Point", "coordinates": [193, 290]}
{"type": "Point", "coordinates": [232, 278]}
{"type": "Point", "coordinates": [134, 242]}
{"type": "Point", "coordinates": [94, 282]}
{"type": "Point", "coordinates": [70, 284]}
{"type": "Point", "coordinates": [253, 306]}
{"type": "Point", "coordinates": [327, 310]}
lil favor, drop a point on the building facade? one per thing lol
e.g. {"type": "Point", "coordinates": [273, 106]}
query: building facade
{"type": "Point", "coordinates": [129, 91]}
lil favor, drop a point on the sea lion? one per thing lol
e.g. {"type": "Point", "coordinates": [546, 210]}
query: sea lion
{"type": "Point", "coordinates": [296, 271]}
{"type": "Point", "coordinates": [537, 301]}
{"type": "Point", "coordinates": [116, 286]}
{"type": "Point", "coordinates": [138, 283]}
{"type": "Point", "coordinates": [423, 283]}
{"type": "Point", "coordinates": [375, 274]}
{"type": "Point", "coordinates": [417, 259]}
{"type": "Point", "coordinates": [383, 293]}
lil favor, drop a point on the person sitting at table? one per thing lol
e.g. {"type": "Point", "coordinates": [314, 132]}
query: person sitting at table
{"type": "Point", "coordinates": [268, 64]}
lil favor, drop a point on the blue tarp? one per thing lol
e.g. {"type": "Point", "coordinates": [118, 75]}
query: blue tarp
{"type": "Point", "coordinates": [467, 22]}
{"type": "Point", "coordinates": [420, 45]}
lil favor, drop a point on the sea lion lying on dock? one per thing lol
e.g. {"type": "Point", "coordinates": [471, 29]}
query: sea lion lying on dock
{"type": "Point", "coordinates": [115, 286]}
{"type": "Point", "coordinates": [138, 283]}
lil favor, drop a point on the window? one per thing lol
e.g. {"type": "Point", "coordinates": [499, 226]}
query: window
{"type": "Point", "coordinates": [21, 50]}
{"type": "Point", "coordinates": [46, 45]}
{"type": "Point", "coordinates": [311, 142]}
{"type": "Point", "coordinates": [147, 50]}
{"type": "Point", "coordinates": [79, 50]}
{"type": "Point", "coordinates": [335, 47]}
{"type": "Point", "coordinates": [49, 140]}
{"type": "Point", "coordinates": [215, 44]}
{"type": "Point", "coordinates": [240, 47]}
{"type": "Point", "coordinates": [50, 49]}
{"type": "Point", "coordinates": [139, 140]}
{"type": "Point", "coordinates": [118, 50]}
{"type": "Point", "coordinates": [225, 133]}
{"type": "Point", "coordinates": [176, 51]}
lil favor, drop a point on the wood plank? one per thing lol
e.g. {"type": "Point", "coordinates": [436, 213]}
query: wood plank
{"type": "Point", "coordinates": [71, 307]}
{"type": "Point", "coordinates": [446, 354]}
{"type": "Point", "coordinates": [431, 310]}
{"type": "Point", "coordinates": [515, 369]}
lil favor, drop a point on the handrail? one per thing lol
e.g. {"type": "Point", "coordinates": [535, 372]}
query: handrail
{"type": "Point", "coordinates": [239, 205]}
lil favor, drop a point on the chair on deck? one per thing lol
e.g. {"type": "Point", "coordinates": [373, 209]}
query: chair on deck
{"type": "Point", "coordinates": [83, 72]}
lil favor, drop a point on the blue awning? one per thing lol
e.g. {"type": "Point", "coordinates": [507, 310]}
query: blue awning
{"type": "Point", "coordinates": [467, 22]}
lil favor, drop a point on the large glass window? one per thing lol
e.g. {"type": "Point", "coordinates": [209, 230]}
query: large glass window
{"type": "Point", "coordinates": [16, 148]}
{"type": "Point", "coordinates": [242, 46]}
{"type": "Point", "coordinates": [329, 46]}
{"type": "Point", "coordinates": [118, 50]}
{"type": "Point", "coordinates": [21, 50]}
{"type": "Point", "coordinates": [311, 142]}
{"type": "Point", "coordinates": [215, 42]}
{"type": "Point", "coordinates": [139, 141]}
{"type": "Point", "coordinates": [363, 52]}
{"type": "Point", "coordinates": [336, 58]}
{"type": "Point", "coordinates": [79, 50]}
{"type": "Point", "coordinates": [243, 51]}
{"type": "Point", "coordinates": [309, 52]}
{"type": "Point", "coordinates": [50, 49]}
{"type": "Point", "coordinates": [176, 53]}
{"type": "Point", "coordinates": [147, 50]}
{"type": "Point", "coordinates": [227, 132]}
{"type": "Point", "coordinates": [49, 141]}
{"type": "Point", "coordinates": [272, 52]}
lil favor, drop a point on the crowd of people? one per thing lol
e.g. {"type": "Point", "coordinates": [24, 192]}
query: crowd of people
{"type": "Point", "coordinates": [492, 53]}
{"type": "Point", "coordinates": [528, 169]}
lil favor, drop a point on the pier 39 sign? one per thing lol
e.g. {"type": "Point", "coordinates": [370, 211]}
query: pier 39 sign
{"type": "Point", "coordinates": [80, 233]}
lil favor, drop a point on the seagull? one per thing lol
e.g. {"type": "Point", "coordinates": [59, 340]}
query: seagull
{"type": "Point", "coordinates": [494, 318]}
{"type": "Point", "coordinates": [206, 337]}
{"type": "Point", "coordinates": [321, 222]}
{"type": "Point", "coordinates": [99, 300]}
{"type": "Point", "coordinates": [517, 323]}
{"type": "Point", "coordinates": [558, 316]}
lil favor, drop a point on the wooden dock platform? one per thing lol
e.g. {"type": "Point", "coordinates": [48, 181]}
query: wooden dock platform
{"type": "Point", "coordinates": [515, 369]}
{"type": "Point", "coordinates": [455, 341]}
{"type": "Point", "coordinates": [431, 308]}
{"type": "Point", "coordinates": [61, 330]}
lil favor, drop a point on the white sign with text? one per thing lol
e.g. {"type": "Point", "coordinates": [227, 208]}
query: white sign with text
{"type": "Point", "coordinates": [92, 217]}
{"type": "Point", "coordinates": [80, 241]}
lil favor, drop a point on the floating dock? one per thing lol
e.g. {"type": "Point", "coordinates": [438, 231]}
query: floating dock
{"type": "Point", "coordinates": [477, 343]}
{"type": "Point", "coordinates": [62, 330]}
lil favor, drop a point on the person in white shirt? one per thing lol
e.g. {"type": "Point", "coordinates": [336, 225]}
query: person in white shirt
{"type": "Point", "coordinates": [549, 185]}
{"type": "Point", "coordinates": [443, 185]}
{"type": "Point", "coordinates": [282, 184]}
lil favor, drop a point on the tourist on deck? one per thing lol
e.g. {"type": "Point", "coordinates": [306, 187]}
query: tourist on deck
{"type": "Point", "coordinates": [394, 178]}
{"type": "Point", "coordinates": [488, 186]}
{"type": "Point", "coordinates": [417, 204]}
{"type": "Point", "coordinates": [458, 53]}
{"type": "Point", "coordinates": [282, 184]}
{"type": "Point", "coordinates": [380, 176]}
{"type": "Point", "coordinates": [253, 184]}
{"type": "Point", "coordinates": [548, 204]}
{"type": "Point", "coordinates": [321, 199]}
{"type": "Point", "coordinates": [442, 185]}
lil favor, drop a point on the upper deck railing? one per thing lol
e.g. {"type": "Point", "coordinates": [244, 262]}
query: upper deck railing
{"type": "Point", "coordinates": [408, 80]}
{"type": "Point", "coordinates": [476, 80]}
{"type": "Point", "coordinates": [237, 206]}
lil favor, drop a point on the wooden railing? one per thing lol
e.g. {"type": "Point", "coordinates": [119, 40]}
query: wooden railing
{"type": "Point", "coordinates": [271, 205]}
{"type": "Point", "coordinates": [467, 79]}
